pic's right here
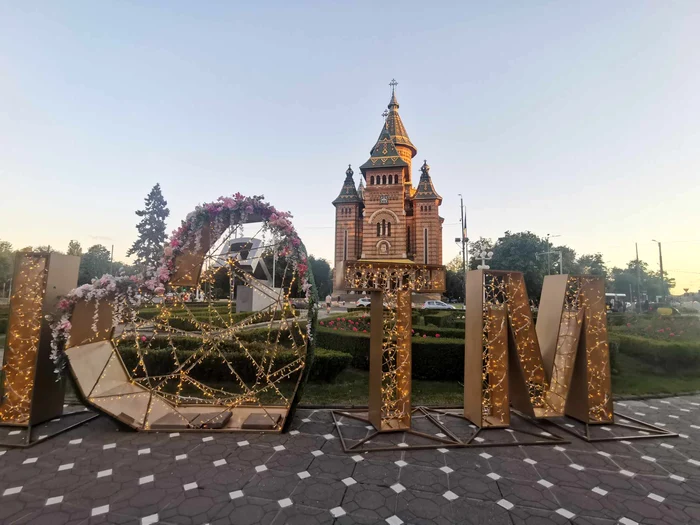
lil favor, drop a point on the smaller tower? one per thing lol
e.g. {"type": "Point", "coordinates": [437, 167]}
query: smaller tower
{"type": "Point", "coordinates": [428, 223]}
{"type": "Point", "coordinates": [348, 227]}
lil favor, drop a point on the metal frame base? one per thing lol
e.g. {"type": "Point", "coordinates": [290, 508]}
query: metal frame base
{"type": "Point", "coordinates": [652, 430]}
{"type": "Point", "coordinates": [29, 442]}
{"type": "Point", "coordinates": [451, 440]}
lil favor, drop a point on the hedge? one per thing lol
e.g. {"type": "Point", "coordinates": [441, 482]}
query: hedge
{"type": "Point", "coordinates": [453, 333]}
{"type": "Point", "coordinates": [188, 325]}
{"type": "Point", "coordinates": [326, 366]}
{"type": "Point", "coordinates": [433, 359]}
{"type": "Point", "coordinates": [675, 357]}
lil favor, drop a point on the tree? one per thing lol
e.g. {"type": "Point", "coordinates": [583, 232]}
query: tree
{"type": "Point", "coordinates": [148, 248]}
{"type": "Point", "coordinates": [74, 248]}
{"type": "Point", "coordinates": [518, 252]}
{"type": "Point", "coordinates": [454, 284]}
{"type": "Point", "coordinates": [592, 265]}
{"type": "Point", "coordinates": [569, 262]}
{"type": "Point", "coordinates": [7, 263]}
{"type": "Point", "coordinates": [45, 249]}
{"type": "Point", "coordinates": [455, 265]}
{"type": "Point", "coordinates": [95, 263]}
{"type": "Point", "coordinates": [321, 270]}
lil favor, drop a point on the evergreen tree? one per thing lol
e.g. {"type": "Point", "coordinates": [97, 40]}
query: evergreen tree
{"type": "Point", "coordinates": [148, 248]}
{"type": "Point", "coordinates": [74, 248]}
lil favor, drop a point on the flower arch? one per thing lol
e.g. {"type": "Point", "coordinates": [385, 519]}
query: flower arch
{"type": "Point", "coordinates": [96, 316]}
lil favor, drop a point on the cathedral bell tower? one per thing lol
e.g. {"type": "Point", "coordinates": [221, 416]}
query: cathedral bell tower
{"type": "Point", "coordinates": [348, 227]}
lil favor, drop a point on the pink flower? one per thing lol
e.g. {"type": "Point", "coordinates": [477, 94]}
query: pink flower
{"type": "Point", "coordinates": [629, 324]}
{"type": "Point", "coordinates": [64, 304]}
{"type": "Point", "coordinates": [143, 339]}
{"type": "Point", "coordinates": [354, 329]}
{"type": "Point", "coordinates": [65, 325]}
{"type": "Point", "coordinates": [249, 209]}
{"type": "Point", "coordinates": [671, 334]}
{"type": "Point", "coordinates": [437, 335]}
{"type": "Point", "coordinates": [424, 335]}
{"type": "Point", "coordinates": [321, 323]}
{"type": "Point", "coordinates": [364, 331]}
{"type": "Point", "coordinates": [168, 251]}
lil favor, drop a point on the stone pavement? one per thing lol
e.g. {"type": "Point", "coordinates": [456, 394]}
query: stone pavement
{"type": "Point", "coordinates": [100, 474]}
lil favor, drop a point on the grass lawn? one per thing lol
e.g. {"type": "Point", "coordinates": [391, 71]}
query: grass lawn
{"type": "Point", "coordinates": [638, 378]}
{"type": "Point", "coordinates": [351, 387]}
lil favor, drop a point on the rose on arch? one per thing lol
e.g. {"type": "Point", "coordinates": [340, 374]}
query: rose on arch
{"type": "Point", "coordinates": [135, 290]}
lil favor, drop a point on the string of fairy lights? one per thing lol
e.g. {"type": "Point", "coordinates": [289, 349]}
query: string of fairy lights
{"type": "Point", "coordinates": [396, 282]}
{"type": "Point", "coordinates": [23, 337]}
{"type": "Point", "coordinates": [583, 313]}
{"type": "Point", "coordinates": [284, 331]}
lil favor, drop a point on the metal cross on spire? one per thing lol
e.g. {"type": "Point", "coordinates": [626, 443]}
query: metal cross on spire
{"type": "Point", "coordinates": [393, 85]}
{"type": "Point", "coordinates": [385, 113]}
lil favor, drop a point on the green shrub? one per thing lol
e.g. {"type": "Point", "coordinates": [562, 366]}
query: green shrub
{"type": "Point", "coordinates": [438, 359]}
{"type": "Point", "coordinates": [435, 359]}
{"type": "Point", "coordinates": [353, 343]}
{"type": "Point", "coordinates": [328, 364]}
{"type": "Point", "coordinates": [674, 357]}
{"type": "Point", "coordinates": [159, 361]}
{"type": "Point", "coordinates": [441, 317]}
{"type": "Point", "coordinates": [453, 333]}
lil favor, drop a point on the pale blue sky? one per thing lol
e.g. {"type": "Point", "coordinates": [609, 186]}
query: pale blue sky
{"type": "Point", "coordinates": [578, 119]}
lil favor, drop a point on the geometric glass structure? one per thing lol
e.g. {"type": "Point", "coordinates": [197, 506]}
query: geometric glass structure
{"type": "Point", "coordinates": [183, 358]}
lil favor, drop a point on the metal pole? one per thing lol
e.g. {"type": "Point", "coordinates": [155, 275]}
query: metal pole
{"type": "Point", "coordinates": [548, 249]}
{"type": "Point", "coordinates": [639, 295]}
{"type": "Point", "coordinates": [561, 263]}
{"type": "Point", "coordinates": [663, 280]}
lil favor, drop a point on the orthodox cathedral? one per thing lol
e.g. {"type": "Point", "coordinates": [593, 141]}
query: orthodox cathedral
{"type": "Point", "coordinates": [385, 217]}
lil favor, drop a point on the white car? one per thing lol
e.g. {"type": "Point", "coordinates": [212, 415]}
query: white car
{"type": "Point", "coordinates": [437, 305]}
{"type": "Point", "coordinates": [364, 302]}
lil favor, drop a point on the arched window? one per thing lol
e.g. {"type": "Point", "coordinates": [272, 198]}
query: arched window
{"type": "Point", "coordinates": [388, 229]}
{"type": "Point", "coordinates": [396, 179]}
{"type": "Point", "coordinates": [371, 179]}
{"type": "Point", "coordinates": [383, 179]}
{"type": "Point", "coordinates": [383, 227]}
{"type": "Point", "coordinates": [379, 229]}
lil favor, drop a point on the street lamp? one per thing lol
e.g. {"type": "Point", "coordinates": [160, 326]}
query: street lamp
{"type": "Point", "coordinates": [484, 256]}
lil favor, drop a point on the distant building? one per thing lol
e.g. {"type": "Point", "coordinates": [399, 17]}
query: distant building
{"type": "Point", "coordinates": [386, 218]}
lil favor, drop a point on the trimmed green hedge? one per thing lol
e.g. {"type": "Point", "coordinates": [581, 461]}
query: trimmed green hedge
{"type": "Point", "coordinates": [453, 333]}
{"type": "Point", "coordinates": [159, 361]}
{"type": "Point", "coordinates": [186, 323]}
{"type": "Point", "coordinates": [353, 343]}
{"type": "Point", "coordinates": [435, 359]}
{"type": "Point", "coordinates": [674, 357]}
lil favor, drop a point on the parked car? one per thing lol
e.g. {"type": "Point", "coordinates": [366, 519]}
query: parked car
{"type": "Point", "coordinates": [437, 305]}
{"type": "Point", "coordinates": [363, 302]}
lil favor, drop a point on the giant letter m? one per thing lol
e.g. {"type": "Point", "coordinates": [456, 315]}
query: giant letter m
{"type": "Point", "coordinates": [560, 367]}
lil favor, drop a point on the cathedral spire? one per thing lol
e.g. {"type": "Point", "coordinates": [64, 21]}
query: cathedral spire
{"type": "Point", "coordinates": [397, 130]}
{"type": "Point", "coordinates": [425, 190]}
{"type": "Point", "coordinates": [348, 193]}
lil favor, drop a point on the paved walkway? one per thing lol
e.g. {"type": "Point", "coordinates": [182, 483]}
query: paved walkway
{"type": "Point", "coordinates": [99, 474]}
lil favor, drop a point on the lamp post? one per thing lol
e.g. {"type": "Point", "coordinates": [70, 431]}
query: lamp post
{"type": "Point", "coordinates": [661, 269]}
{"type": "Point", "coordinates": [484, 256]}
